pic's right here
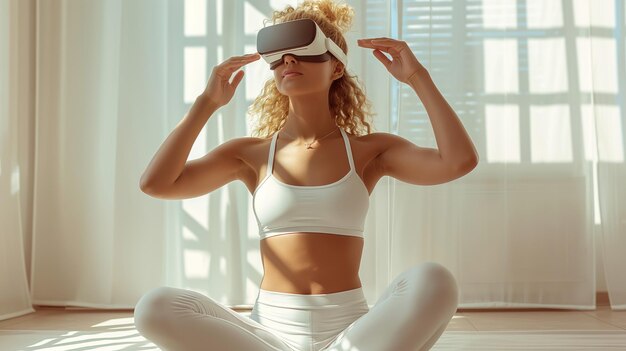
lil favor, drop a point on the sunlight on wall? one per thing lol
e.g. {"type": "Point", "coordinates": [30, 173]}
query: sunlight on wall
{"type": "Point", "coordinates": [256, 72]}
{"type": "Point", "coordinates": [15, 180]}
{"type": "Point", "coordinates": [196, 264]}
{"type": "Point", "coordinates": [609, 132]}
{"type": "Point", "coordinates": [600, 78]}
{"type": "Point", "coordinates": [189, 235]}
{"type": "Point", "coordinates": [544, 14]}
{"type": "Point", "coordinates": [195, 17]}
{"type": "Point", "coordinates": [608, 126]}
{"type": "Point", "coordinates": [197, 209]}
{"type": "Point", "coordinates": [569, 61]}
{"type": "Point", "coordinates": [499, 13]}
{"type": "Point", "coordinates": [551, 71]}
{"type": "Point", "coordinates": [253, 256]}
{"type": "Point", "coordinates": [502, 131]}
{"type": "Point", "coordinates": [551, 134]}
{"type": "Point", "coordinates": [501, 59]}
{"type": "Point", "coordinates": [597, 13]}
{"type": "Point", "coordinates": [195, 72]}
{"type": "Point", "coordinates": [547, 66]}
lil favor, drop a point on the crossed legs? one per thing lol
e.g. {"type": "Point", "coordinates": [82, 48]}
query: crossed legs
{"type": "Point", "coordinates": [410, 315]}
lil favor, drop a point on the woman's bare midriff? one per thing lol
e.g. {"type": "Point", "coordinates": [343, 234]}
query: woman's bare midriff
{"type": "Point", "coordinates": [305, 262]}
{"type": "Point", "coordinates": [311, 263]}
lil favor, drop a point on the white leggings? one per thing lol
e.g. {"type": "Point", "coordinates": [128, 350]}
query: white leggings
{"type": "Point", "coordinates": [410, 315]}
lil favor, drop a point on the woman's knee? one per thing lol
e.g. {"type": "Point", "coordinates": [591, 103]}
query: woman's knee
{"type": "Point", "coordinates": [438, 281]}
{"type": "Point", "coordinates": [151, 310]}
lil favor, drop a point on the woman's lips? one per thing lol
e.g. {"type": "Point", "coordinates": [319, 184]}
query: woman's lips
{"type": "Point", "coordinates": [291, 75]}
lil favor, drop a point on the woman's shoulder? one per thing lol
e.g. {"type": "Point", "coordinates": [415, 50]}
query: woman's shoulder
{"type": "Point", "coordinates": [250, 141]}
{"type": "Point", "coordinates": [372, 143]}
{"type": "Point", "coordinates": [370, 138]}
{"type": "Point", "coordinates": [249, 144]}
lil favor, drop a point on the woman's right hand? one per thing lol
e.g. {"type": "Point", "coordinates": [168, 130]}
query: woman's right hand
{"type": "Point", "coordinates": [218, 89]}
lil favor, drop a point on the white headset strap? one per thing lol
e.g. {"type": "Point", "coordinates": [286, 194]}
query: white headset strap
{"type": "Point", "coordinates": [336, 51]}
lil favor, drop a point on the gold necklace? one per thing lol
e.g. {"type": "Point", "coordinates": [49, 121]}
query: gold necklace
{"type": "Point", "coordinates": [308, 145]}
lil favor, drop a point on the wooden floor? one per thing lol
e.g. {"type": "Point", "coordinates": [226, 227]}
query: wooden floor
{"type": "Point", "coordinates": [53, 318]}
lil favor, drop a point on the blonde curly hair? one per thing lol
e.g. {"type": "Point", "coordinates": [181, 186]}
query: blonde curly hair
{"type": "Point", "coordinates": [347, 100]}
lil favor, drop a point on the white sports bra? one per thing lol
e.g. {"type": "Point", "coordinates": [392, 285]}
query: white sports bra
{"type": "Point", "coordinates": [337, 208]}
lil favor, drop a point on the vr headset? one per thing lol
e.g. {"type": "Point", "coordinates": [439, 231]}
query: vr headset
{"type": "Point", "coordinates": [301, 38]}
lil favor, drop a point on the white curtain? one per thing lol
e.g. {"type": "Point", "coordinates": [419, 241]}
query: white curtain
{"type": "Point", "coordinates": [538, 87]}
{"type": "Point", "coordinates": [14, 290]}
{"type": "Point", "coordinates": [101, 76]}
{"type": "Point", "coordinates": [535, 84]}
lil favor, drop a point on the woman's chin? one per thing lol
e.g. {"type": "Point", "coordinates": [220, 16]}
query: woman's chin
{"type": "Point", "coordinates": [293, 90]}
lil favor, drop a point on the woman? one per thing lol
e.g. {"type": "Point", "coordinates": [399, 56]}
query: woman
{"type": "Point", "coordinates": [310, 208]}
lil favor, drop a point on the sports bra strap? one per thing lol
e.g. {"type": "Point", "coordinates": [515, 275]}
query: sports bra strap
{"type": "Point", "coordinates": [346, 142]}
{"type": "Point", "coordinates": [270, 159]}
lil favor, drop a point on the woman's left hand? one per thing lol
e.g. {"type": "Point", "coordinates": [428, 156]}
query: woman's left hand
{"type": "Point", "coordinates": [404, 64]}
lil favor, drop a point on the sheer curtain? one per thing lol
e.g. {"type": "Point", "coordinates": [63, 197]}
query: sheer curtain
{"type": "Point", "coordinates": [524, 78]}
{"type": "Point", "coordinates": [537, 84]}
{"type": "Point", "coordinates": [14, 289]}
